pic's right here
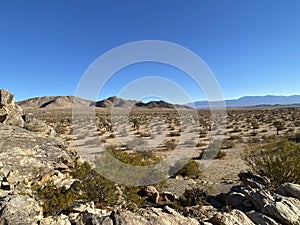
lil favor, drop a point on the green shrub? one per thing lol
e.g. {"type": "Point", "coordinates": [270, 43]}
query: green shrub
{"type": "Point", "coordinates": [279, 160]}
{"type": "Point", "coordinates": [191, 169]}
{"type": "Point", "coordinates": [220, 155]}
{"type": "Point", "coordinates": [193, 197]}
{"type": "Point", "coordinates": [145, 167]}
{"type": "Point", "coordinates": [90, 186]}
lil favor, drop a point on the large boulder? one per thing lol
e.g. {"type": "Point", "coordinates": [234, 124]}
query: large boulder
{"type": "Point", "coordinates": [235, 217]}
{"type": "Point", "coordinates": [10, 112]}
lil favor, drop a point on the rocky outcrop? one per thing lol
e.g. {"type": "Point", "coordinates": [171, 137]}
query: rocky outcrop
{"type": "Point", "coordinates": [25, 155]}
{"type": "Point", "coordinates": [288, 189]}
{"type": "Point", "coordinates": [38, 126]}
{"type": "Point", "coordinates": [10, 113]}
{"type": "Point", "coordinates": [235, 217]}
{"type": "Point", "coordinates": [19, 210]}
{"type": "Point", "coordinates": [261, 205]}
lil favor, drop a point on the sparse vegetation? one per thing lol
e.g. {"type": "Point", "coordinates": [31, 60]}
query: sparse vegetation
{"type": "Point", "coordinates": [279, 160]}
{"type": "Point", "coordinates": [190, 169]}
{"type": "Point", "coordinates": [90, 186]}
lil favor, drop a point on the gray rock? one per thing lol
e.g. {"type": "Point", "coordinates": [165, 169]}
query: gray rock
{"type": "Point", "coordinates": [235, 217]}
{"type": "Point", "coordinates": [236, 200]}
{"type": "Point", "coordinates": [37, 126]}
{"type": "Point", "coordinates": [93, 219]}
{"type": "Point", "coordinates": [10, 112]}
{"type": "Point", "coordinates": [289, 189]}
{"type": "Point", "coordinates": [13, 177]}
{"type": "Point", "coordinates": [152, 194]}
{"type": "Point", "coordinates": [58, 220]}
{"type": "Point", "coordinates": [259, 198]}
{"type": "Point", "coordinates": [254, 181]}
{"type": "Point", "coordinates": [260, 218]}
{"type": "Point", "coordinates": [28, 153]}
{"type": "Point", "coordinates": [19, 210]}
{"type": "Point", "coordinates": [152, 216]}
{"type": "Point", "coordinates": [284, 211]}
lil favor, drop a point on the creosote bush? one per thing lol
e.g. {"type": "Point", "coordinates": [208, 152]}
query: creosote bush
{"type": "Point", "coordinates": [279, 160]}
{"type": "Point", "coordinates": [144, 166]}
{"type": "Point", "coordinates": [90, 187]}
{"type": "Point", "coordinates": [191, 169]}
{"type": "Point", "coordinates": [191, 197]}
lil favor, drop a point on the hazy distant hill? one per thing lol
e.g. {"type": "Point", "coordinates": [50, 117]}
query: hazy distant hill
{"type": "Point", "coordinates": [53, 102]}
{"type": "Point", "coordinates": [253, 101]}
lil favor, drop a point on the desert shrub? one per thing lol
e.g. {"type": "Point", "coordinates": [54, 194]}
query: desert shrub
{"type": "Point", "coordinates": [55, 200]}
{"type": "Point", "coordinates": [90, 186]}
{"type": "Point", "coordinates": [132, 199]}
{"type": "Point", "coordinates": [227, 144]}
{"type": "Point", "coordinates": [174, 133]}
{"type": "Point", "coordinates": [145, 166]}
{"type": "Point", "coordinates": [213, 151]}
{"type": "Point", "coordinates": [235, 130]}
{"type": "Point", "coordinates": [171, 144]}
{"type": "Point", "coordinates": [279, 160]}
{"type": "Point", "coordinates": [220, 155]}
{"type": "Point", "coordinates": [191, 169]}
{"type": "Point", "coordinates": [136, 158]}
{"type": "Point", "coordinates": [193, 197]}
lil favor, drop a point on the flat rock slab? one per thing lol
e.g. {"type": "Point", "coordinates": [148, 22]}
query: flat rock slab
{"type": "Point", "coordinates": [29, 153]}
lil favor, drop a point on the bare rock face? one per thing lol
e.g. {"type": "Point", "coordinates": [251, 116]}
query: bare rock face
{"type": "Point", "coordinates": [10, 112]}
{"type": "Point", "coordinates": [19, 210]}
{"type": "Point", "coordinates": [25, 155]}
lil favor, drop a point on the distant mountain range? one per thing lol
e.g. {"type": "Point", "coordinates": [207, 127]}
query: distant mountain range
{"type": "Point", "coordinates": [68, 102]}
{"type": "Point", "coordinates": [52, 102]}
{"type": "Point", "coordinates": [250, 101]}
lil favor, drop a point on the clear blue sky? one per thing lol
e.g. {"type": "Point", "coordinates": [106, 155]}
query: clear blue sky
{"type": "Point", "coordinates": [252, 46]}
